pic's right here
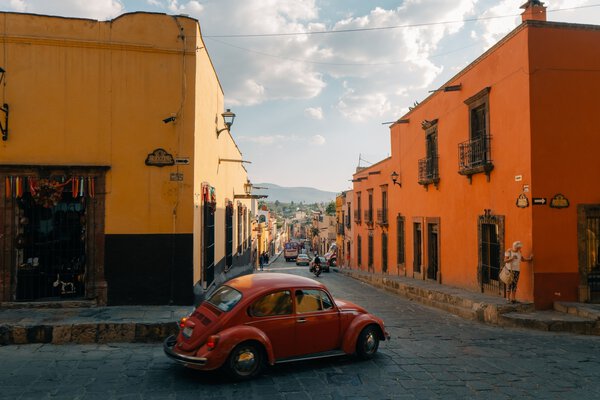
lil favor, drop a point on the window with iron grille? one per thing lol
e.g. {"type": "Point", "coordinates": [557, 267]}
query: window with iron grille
{"type": "Point", "coordinates": [384, 252]}
{"type": "Point", "coordinates": [400, 240]}
{"type": "Point", "coordinates": [239, 228]}
{"type": "Point", "coordinates": [370, 252]}
{"type": "Point", "coordinates": [359, 250]}
{"type": "Point", "coordinates": [229, 235]}
{"type": "Point", "coordinates": [428, 166]}
{"type": "Point", "coordinates": [358, 211]}
{"type": "Point", "coordinates": [475, 154]}
{"type": "Point", "coordinates": [245, 223]}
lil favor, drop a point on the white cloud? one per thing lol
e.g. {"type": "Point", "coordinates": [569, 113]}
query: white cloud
{"type": "Point", "coordinates": [155, 3]}
{"type": "Point", "coordinates": [97, 9]}
{"type": "Point", "coordinates": [314, 113]}
{"type": "Point", "coordinates": [317, 140]}
{"type": "Point", "coordinates": [262, 140]}
{"type": "Point", "coordinates": [192, 8]}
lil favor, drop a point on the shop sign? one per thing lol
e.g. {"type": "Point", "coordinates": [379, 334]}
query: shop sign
{"type": "Point", "coordinates": [559, 201]}
{"type": "Point", "coordinates": [522, 201]}
{"type": "Point", "coordinates": [159, 158]}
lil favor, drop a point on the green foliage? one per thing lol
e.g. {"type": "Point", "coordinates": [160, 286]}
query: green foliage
{"type": "Point", "coordinates": [330, 210]}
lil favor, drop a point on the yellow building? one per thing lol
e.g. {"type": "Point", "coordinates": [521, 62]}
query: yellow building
{"type": "Point", "coordinates": [120, 184]}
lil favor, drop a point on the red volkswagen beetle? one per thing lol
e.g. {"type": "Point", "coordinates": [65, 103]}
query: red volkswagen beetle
{"type": "Point", "coordinates": [261, 319]}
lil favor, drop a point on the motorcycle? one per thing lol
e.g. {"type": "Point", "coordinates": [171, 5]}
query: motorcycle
{"type": "Point", "coordinates": [316, 269]}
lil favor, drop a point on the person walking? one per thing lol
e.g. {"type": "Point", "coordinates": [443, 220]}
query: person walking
{"type": "Point", "coordinates": [261, 260]}
{"type": "Point", "coordinates": [513, 258]}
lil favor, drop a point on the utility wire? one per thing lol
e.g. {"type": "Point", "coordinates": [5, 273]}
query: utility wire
{"type": "Point", "coordinates": [333, 63]}
{"type": "Point", "coordinates": [386, 27]}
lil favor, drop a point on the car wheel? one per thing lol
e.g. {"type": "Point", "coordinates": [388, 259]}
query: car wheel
{"type": "Point", "coordinates": [245, 361]}
{"type": "Point", "coordinates": [368, 343]}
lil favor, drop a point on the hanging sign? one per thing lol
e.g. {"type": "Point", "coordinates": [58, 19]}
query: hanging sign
{"type": "Point", "coordinates": [159, 158]}
{"type": "Point", "coordinates": [522, 201]}
{"type": "Point", "coordinates": [559, 201]}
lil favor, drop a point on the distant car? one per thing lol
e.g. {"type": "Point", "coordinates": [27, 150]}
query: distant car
{"type": "Point", "coordinates": [261, 319]}
{"type": "Point", "coordinates": [323, 262]}
{"type": "Point", "coordinates": [302, 259]}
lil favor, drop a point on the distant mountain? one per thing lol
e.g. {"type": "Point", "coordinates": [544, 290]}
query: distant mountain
{"type": "Point", "coordinates": [305, 195]}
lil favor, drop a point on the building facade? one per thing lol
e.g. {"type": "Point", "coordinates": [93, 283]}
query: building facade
{"type": "Point", "coordinates": [116, 185]}
{"type": "Point", "coordinates": [501, 152]}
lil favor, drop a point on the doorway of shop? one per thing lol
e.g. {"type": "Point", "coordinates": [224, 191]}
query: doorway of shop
{"type": "Point", "coordinates": [51, 248]}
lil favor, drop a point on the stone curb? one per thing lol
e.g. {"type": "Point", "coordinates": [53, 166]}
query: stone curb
{"type": "Point", "coordinates": [87, 333]}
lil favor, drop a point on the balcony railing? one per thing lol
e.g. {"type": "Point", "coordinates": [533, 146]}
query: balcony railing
{"type": "Point", "coordinates": [474, 156]}
{"type": "Point", "coordinates": [382, 216]}
{"type": "Point", "coordinates": [340, 229]}
{"type": "Point", "coordinates": [428, 171]}
{"type": "Point", "coordinates": [357, 216]}
{"type": "Point", "coordinates": [369, 216]}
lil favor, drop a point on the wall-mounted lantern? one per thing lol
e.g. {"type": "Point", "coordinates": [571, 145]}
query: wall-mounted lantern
{"type": "Point", "coordinates": [395, 177]}
{"type": "Point", "coordinates": [228, 118]}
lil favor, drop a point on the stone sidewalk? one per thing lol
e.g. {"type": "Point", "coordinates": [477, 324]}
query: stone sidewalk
{"type": "Point", "coordinates": [578, 318]}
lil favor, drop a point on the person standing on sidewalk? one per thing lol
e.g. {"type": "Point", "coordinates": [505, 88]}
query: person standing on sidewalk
{"type": "Point", "coordinates": [513, 258]}
{"type": "Point", "coordinates": [261, 260]}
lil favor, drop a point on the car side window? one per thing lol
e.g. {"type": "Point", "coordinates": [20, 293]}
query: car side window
{"type": "Point", "coordinates": [311, 300]}
{"type": "Point", "coordinates": [278, 303]}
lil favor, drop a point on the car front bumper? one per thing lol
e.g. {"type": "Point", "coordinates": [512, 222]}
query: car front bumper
{"type": "Point", "coordinates": [168, 346]}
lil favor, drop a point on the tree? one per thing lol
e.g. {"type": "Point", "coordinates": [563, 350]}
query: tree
{"type": "Point", "coordinates": [330, 210]}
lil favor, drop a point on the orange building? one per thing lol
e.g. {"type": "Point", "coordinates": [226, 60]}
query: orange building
{"type": "Point", "coordinates": [501, 152]}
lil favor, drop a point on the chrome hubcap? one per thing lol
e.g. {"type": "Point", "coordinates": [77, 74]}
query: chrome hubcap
{"type": "Point", "coordinates": [370, 343]}
{"type": "Point", "coordinates": [245, 360]}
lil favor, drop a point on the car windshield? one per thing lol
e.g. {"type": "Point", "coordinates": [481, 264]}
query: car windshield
{"type": "Point", "coordinates": [225, 298]}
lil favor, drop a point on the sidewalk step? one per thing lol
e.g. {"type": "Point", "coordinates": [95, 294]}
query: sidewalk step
{"type": "Point", "coordinates": [583, 310]}
{"type": "Point", "coordinates": [552, 321]}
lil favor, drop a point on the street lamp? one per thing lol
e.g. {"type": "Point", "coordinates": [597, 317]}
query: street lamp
{"type": "Point", "coordinates": [395, 178]}
{"type": "Point", "coordinates": [228, 118]}
{"type": "Point", "coordinates": [247, 187]}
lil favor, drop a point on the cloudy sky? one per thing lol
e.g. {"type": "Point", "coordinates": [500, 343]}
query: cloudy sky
{"type": "Point", "coordinates": [310, 102]}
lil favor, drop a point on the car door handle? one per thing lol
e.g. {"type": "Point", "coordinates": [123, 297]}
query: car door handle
{"type": "Point", "coordinates": [301, 320]}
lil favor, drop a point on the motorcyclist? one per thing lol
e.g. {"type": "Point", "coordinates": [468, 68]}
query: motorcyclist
{"type": "Point", "coordinates": [317, 265]}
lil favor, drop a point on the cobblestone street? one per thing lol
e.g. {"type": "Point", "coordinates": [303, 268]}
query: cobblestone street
{"type": "Point", "coordinates": [432, 355]}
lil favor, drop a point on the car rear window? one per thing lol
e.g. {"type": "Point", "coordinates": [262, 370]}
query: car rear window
{"type": "Point", "coordinates": [225, 298]}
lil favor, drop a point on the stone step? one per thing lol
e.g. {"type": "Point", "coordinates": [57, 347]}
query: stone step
{"type": "Point", "coordinates": [583, 310]}
{"type": "Point", "coordinates": [551, 321]}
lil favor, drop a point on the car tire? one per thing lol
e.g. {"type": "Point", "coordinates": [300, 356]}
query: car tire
{"type": "Point", "coordinates": [367, 343]}
{"type": "Point", "coordinates": [245, 361]}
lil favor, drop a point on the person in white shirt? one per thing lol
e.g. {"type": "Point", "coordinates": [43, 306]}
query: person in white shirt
{"type": "Point", "coordinates": [513, 258]}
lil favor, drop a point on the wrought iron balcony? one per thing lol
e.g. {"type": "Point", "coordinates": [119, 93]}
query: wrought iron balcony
{"type": "Point", "coordinates": [428, 171]}
{"type": "Point", "coordinates": [474, 156]}
{"type": "Point", "coordinates": [357, 218]}
{"type": "Point", "coordinates": [369, 216]}
{"type": "Point", "coordinates": [382, 216]}
{"type": "Point", "coordinates": [340, 229]}
{"type": "Point", "coordinates": [347, 221]}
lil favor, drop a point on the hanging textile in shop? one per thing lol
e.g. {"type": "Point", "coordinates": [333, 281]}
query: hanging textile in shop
{"type": "Point", "coordinates": [48, 192]}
